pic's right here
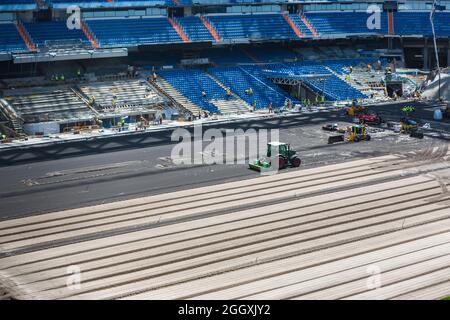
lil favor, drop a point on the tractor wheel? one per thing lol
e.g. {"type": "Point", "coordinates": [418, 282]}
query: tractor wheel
{"type": "Point", "coordinates": [296, 162]}
{"type": "Point", "coordinates": [368, 137]}
{"type": "Point", "coordinates": [356, 139]}
{"type": "Point", "coordinates": [281, 163]}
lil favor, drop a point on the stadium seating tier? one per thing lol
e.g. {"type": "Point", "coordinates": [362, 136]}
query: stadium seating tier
{"type": "Point", "coordinates": [131, 31]}
{"type": "Point", "coordinates": [54, 31]}
{"type": "Point", "coordinates": [10, 39]}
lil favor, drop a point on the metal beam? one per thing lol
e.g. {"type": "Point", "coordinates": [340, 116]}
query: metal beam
{"type": "Point", "coordinates": [64, 55]}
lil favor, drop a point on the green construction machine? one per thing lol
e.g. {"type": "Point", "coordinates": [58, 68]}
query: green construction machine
{"type": "Point", "coordinates": [277, 151]}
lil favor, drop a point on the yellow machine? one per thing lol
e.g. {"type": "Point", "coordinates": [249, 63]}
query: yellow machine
{"type": "Point", "coordinates": [355, 110]}
{"type": "Point", "coordinates": [358, 133]}
{"type": "Point", "coordinates": [407, 125]}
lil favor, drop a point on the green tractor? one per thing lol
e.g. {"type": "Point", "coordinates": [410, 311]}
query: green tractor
{"type": "Point", "coordinates": [280, 151]}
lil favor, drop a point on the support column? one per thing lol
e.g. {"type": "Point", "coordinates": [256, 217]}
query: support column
{"type": "Point", "coordinates": [448, 54]}
{"type": "Point", "coordinates": [426, 60]}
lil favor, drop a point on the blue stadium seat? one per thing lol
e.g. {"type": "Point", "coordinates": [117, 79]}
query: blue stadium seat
{"type": "Point", "coordinates": [341, 66]}
{"type": "Point", "coordinates": [332, 87]}
{"type": "Point", "coordinates": [13, 5]}
{"type": "Point", "coordinates": [344, 23]}
{"type": "Point", "coordinates": [240, 79]}
{"type": "Point", "coordinates": [10, 39]}
{"type": "Point", "coordinates": [191, 83]}
{"type": "Point", "coordinates": [41, 32]}
{"type": "Point", "coordinates": [299, 23]}
{"type": "Point", "coordinates": [418, 23]}
{"type": "Point", "coordinates": [132, 31]}
{"type": "Point", "coordinates": [107, 4]}
{"type": "Point", "coordinates": [195, 29]}
{"type": "Point", "coordinates": [252, 26]}
{"type": "Point", "coordinates": [335, 89]}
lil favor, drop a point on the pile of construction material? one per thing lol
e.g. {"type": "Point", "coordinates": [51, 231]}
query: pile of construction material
{"type": "Point", "coordinates": [58, 105]}
{"type": "Point", "coordinates": [122, 94]}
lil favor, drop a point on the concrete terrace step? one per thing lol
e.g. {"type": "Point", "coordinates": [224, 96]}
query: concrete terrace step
{"type": "Point", "coordinates": [237, 105]}
{"type": "Point", "coordinates": [230, 106]}
{"type": "Point", "coordinates": [177, 96]}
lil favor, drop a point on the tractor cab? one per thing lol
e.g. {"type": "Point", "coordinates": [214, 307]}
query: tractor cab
{"type": "Point", "coordinates": [280, 148]}
{"type": "Point", "coordinates": [280, 152]}
{"type": "Point", "coordinates": [358, 133]}
{"type": "Point", "coordinates": [359, 129]}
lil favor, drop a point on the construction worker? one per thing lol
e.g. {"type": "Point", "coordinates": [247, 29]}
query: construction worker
{"type": "Point", "coordinates": [53, 77]}
{"type": "Point", "coordinates": [92, 101]}
{"type": "Point", "coordinates": [229, 92]}
{"type": "Point", "coordinates": [155, 76]}
{"type": "Point", "coordinates": [408, 109]}
{"type": "Point", "coordinates": [79, 73]}
{"type": "Point", "coordinates": [203, 94]}
{"type": "Point", "coordinates": [350, 69]}
{"type": "Point", "coordinates": [62, 78]}
{"type": "Point", "coordinates": [378, 65]}
{"type": "Point", "coordinates": [122, 123]}
{"type": "Point", "coordinates": [388, 70]}
{"type": "Point", "coordinates": [254, 105]}
{"type": "Point", "coordinates": [142, 122]}
{"type": "Point", "coordinates": [270, 107]}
